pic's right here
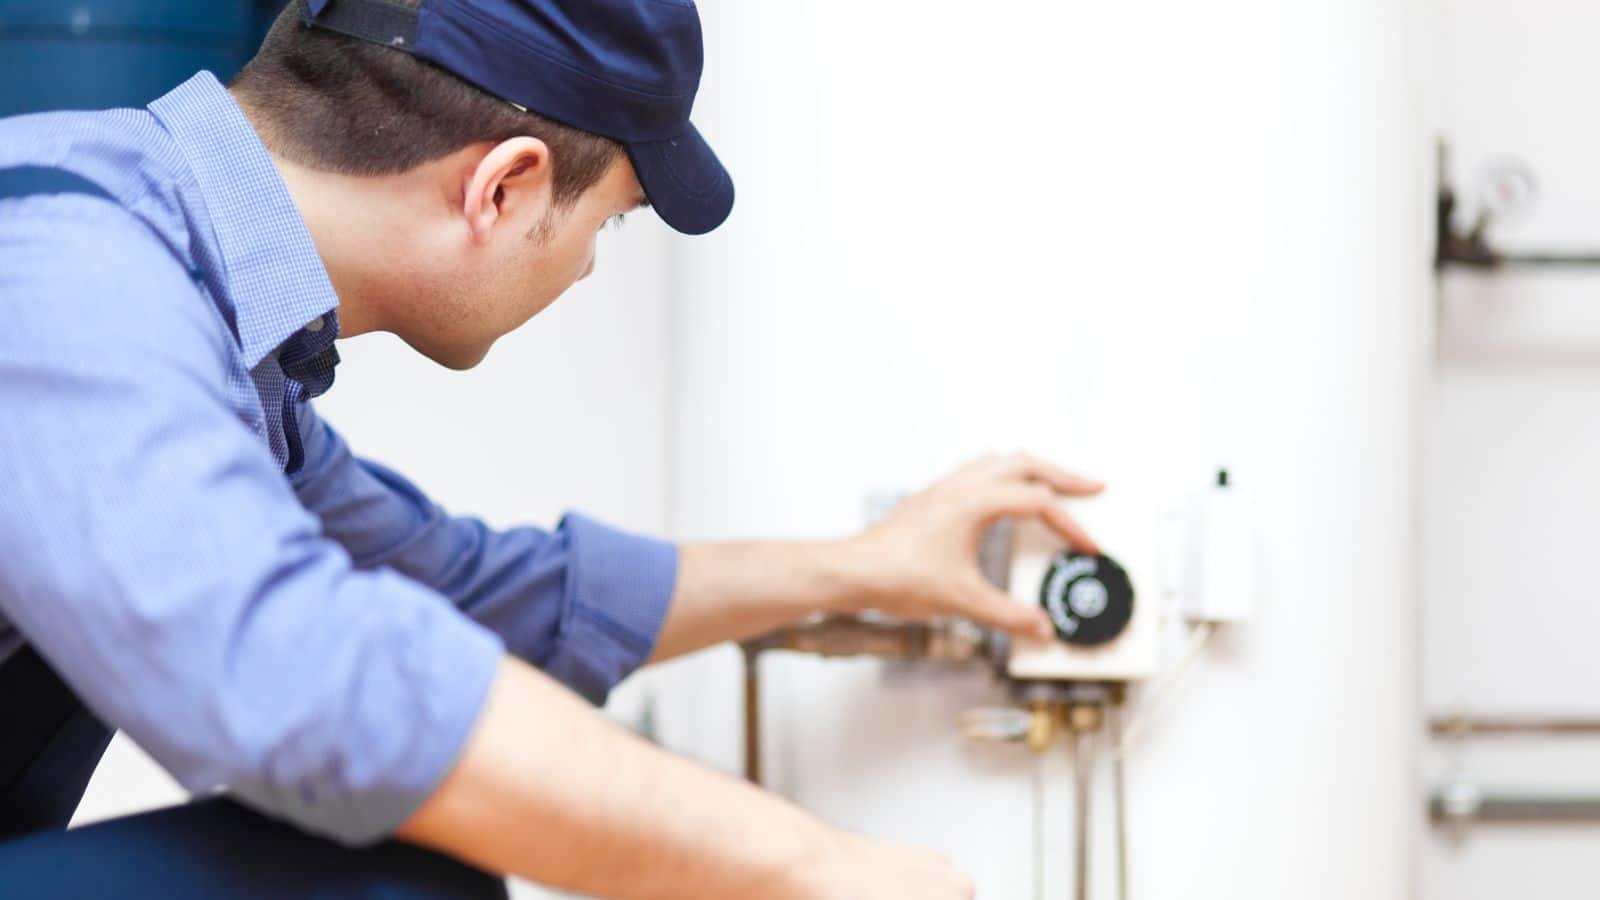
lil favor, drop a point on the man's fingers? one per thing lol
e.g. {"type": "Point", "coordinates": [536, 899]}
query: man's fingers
{"type": "Point", "coordinates": [1032, 468]}
{"type": "Point", "coordinates": [1035, 501]}
{"type": "Point", "coordinates": [995, 608]}
{"type": "Point", "coordinates": [1068, 528]}
{"type": "Point", "coordinates": [981, 467]}
{"type": "Point", "coordinates": [1027, 467]}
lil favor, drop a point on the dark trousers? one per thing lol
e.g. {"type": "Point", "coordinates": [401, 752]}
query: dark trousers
{"type": "Point", "coordinates": [49, 746]}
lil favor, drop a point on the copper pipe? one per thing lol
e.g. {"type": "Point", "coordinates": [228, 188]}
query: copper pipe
{"type": "Point", "coordinates": [1462, 725]}
{"type": "Point", "coordinates": [838, 636]}
{"type": "Point", "coordinates": [1083, 777]}
{"type": "Point", "coordinates": [752, 715]}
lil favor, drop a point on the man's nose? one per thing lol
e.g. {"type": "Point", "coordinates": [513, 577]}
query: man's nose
{"type": "Point", "coordinates": [589, 269]}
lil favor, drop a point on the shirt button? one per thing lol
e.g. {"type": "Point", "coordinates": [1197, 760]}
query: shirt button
{"type": "Point", "coordinates": [314, 326]}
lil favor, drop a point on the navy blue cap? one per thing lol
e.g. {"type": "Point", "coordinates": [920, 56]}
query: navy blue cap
{"type": "Point", "coordinates": [623, 69]}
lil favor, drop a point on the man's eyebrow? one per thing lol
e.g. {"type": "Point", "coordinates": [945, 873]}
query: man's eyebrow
{"type": "Point", "coordinates": [643, 202]}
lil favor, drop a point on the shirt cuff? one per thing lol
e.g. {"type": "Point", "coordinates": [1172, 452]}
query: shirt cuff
{"type": "Point", "coordinates": [618, 589]}
{"type": "Point", "coordinates": [434, 699]}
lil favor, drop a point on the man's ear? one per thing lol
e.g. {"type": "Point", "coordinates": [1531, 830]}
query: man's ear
{"type": "Point", "coordinates": [512, 174]}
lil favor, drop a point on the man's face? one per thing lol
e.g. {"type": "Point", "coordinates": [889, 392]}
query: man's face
{"type": "Point", "coordinates": [533, 252]}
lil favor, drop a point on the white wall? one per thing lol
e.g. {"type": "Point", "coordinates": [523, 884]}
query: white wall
{"type": "Point", "coordinates": [1142, 239]}
{"type": "Point", "coordinates": [1512, 494]}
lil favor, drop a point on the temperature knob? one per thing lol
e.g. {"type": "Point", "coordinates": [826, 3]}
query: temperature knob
{"type": "Point", "coordinates": [1089, 598]}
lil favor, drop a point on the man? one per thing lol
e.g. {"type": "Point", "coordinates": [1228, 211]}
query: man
{"type": "Point", "coordinates": [194, 557]}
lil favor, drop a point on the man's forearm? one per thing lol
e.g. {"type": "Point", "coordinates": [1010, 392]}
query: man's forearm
{"type": "Point", "coordinates": [548, 790]}
{"type": "Point", "coordinates": [729, 592]}
{"type": "Point", "coordinates": [918, 562]}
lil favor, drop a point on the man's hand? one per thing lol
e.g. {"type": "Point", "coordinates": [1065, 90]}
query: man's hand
{"type": "Point", "coordinates": [922, 559]}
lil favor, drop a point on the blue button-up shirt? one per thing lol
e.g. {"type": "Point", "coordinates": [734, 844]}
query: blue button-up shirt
{"type": "Point", "coordinates": [201, 557]}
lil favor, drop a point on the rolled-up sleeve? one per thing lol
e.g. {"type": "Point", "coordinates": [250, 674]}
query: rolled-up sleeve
{"type": "Point", "coordinates": [584, 602]}
{"type": "Point", "coordinates": [156, 556]}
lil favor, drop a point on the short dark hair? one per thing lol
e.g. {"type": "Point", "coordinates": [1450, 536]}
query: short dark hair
{"type": "Point", "coordinates": [338, 104]}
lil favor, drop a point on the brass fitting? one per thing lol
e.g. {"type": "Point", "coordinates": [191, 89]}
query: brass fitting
{"type": "Point", "coordinates": [1041, 724]}
{"type": "Point", "coordinates": [1085, 717]}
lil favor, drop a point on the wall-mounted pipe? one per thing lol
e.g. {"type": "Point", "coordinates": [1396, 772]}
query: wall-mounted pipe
{"type": "Point", "coordinates": [947, 641]}
{"type": "Point", "coordinates": [1469, 248]}
{"type": "Point", "coordinates": [1462, 802]}
{"type": "Point", "coordinates": [950, 640]}
{"type": "Point", "coordinates": [1462, 725]}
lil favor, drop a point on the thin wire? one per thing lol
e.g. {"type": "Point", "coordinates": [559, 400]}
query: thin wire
{"type": "Point", "coordinates": [1038, 826]}
{"type": "Point", "coordinates": [1163, 689]}
{"type": "Point", "coordinates": [1119, 792]}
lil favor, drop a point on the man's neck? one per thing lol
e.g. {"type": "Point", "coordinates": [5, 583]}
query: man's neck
{"type": "Point", "coordinates": [347, 219]}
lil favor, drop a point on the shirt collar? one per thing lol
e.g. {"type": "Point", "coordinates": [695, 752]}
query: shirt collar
{"type": "Point", "coordinates": [273, 276]}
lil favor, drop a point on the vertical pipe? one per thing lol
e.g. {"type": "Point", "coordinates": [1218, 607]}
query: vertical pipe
{"type": "Point", "coordinates": [752, 715]}
{"type": "Point", "coordinates": [1119, 791]}
{"type": "Point", "coordinates": [1081, 744]}
{"type": "Point", "coordinates": [1038, 826]}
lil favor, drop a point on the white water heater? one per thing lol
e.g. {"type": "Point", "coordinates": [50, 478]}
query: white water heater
{"type": "Point", "coordinates": [1139, 240]}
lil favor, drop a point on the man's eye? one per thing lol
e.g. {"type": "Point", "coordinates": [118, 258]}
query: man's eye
{"type": "Point", "coordinates": [615, 221]}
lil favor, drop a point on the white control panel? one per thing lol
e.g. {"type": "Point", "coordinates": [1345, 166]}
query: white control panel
{"type": "Point", "coordinates": [1099, 638]}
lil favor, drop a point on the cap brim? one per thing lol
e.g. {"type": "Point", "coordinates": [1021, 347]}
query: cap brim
{"type": "Point", "coordinates": [686, 183]}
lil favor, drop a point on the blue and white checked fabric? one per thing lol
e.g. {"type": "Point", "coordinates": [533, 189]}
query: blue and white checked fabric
{"type": "Point", "coordinates": [193, 549]}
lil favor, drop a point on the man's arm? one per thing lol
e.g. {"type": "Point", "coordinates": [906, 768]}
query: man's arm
{"type": "Point", "coordinates": [588, 604]}
{"type": "Point", "coordinates": [583, 602]}
{"type": "Point", "coordinates": [920, 561]}
{"type": "Point", "coordinates": [550, 791]}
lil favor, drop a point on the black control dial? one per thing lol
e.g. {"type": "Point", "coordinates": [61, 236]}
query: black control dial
{"type": "Point", "coordinates": [1089, 598]}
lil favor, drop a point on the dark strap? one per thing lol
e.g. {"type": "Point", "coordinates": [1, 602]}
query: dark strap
{"type": "Point", "coordinates": [27, 181]}
{"type": "Point", "coordinates": [30, 181]}
{"type": "Point", "coordinates": [50, 744]}
{"type": "Point", "coordinates": [382, 22]}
